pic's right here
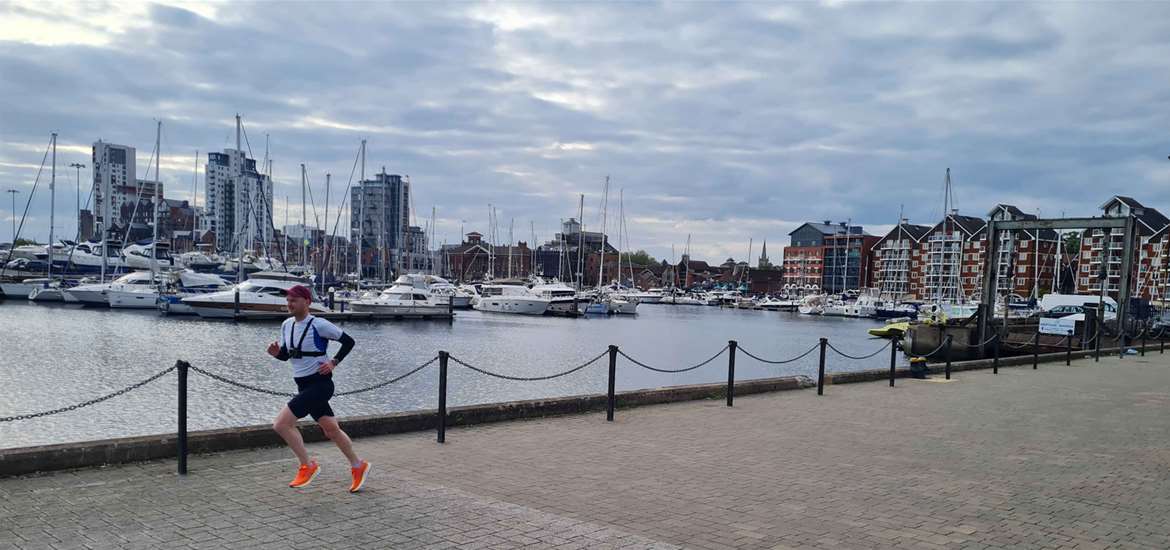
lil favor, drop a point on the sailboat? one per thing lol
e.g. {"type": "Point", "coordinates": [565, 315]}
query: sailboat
{"type": "Point", "coordinates": [49, 290]}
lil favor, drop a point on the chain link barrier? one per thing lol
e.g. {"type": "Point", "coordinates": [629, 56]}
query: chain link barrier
{"type": "Point", "coordinates": [932, 352]}
{"type": "Point", "coordinates": [390, 381]}
{"type": "Point", "coordinates": [529, 378]}
{"type": "Point", "coordinates": [861, 357]}
{"type": "Point", "coordinates": [672, 371]}
{"type": "Point", "coordinates": [267, 391]}
{"type": "Point", "coordinates": [770, 362]}
{"type": "Point", "coordinates": [129, 388]}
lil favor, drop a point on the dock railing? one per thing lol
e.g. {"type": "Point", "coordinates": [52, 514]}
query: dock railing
{"type": "Point", "coordinates": [613, 352]}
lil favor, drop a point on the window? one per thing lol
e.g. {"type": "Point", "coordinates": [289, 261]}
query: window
{"type": "Point", "coordinates": [1022, 269]}
{"type": "Point", "coordinates": [1023, 256]}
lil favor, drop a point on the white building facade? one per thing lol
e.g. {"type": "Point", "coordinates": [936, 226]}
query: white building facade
{"type": "Point", "coordinates": [238, 202]}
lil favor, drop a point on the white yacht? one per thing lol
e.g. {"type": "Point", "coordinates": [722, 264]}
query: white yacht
{"type": "Point", "coordinates": [96, 294]}
{"type": "Point", "coordinates": [652, 296]}
{"type": "Point", "coordinates": [813, 304]}
{"type": "Point", "coordinates": [24, 288]}
{"type": "Point", "coordinates": [404, 299]}
{"type": "Point", "coordinates": [29, 252]}
{"type": "Point", "coordinates": [185, 284]}
{"type": "Point", "coordinates": [86, 257]}
{"type": "Point", "coordinates": [262, 296]}
{"type": "Point", "coordinates": [253, 264]}
{"type": "Point", "coordinates": [621, 305]}
{"type": "Point", "coordinates": [459, 296]}
{"type": "Point", "coordinates": [49, 292]}
{"type": "Point", "coordinates": [202, 259]}
{"type": "Point", "coordinates": [510, 299]}
{"type": "Point", "coordinates": [139, 255]}
{"type": "Point", "coordinates": [562, 298]}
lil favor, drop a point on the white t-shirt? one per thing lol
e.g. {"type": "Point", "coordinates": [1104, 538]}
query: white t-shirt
{"type": "Point", "coordinates": [319, 334]}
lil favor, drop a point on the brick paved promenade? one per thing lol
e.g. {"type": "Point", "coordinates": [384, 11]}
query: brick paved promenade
{"type": "Point", "coordinates": [1063, 457]}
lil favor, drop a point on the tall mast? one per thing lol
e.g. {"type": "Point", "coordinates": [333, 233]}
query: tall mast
{"type": "Point", "coordinates": [511, 226]}
{"type": "Point", "coordinates": [52, 207]}
{"type": "Point", "coordinates": [154, 202]}
{"type": "Point", "coordinates": [601, 253]}
{"type": "Point", "coordinates": [236, 191]}
{"type": "Point", "coordinates": [304, 223]}
{"type": "Point", "coordinates": [328, 240]}
{"type": "Point", "coordinates": [580, 242]}
{"type": "Point", "coordinates": [358, 242]}
{"type": "Point", "coordinates": [285, 239]}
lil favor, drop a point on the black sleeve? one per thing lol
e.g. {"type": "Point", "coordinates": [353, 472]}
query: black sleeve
{"type": "Point", "coordinates": [347, 343]}
{"type": "Point", "coordinates": [283, 355]}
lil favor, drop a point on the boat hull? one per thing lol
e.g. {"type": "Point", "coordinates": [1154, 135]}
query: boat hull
{"type": "Point", "coordinates": [89, 297]}
{"type": "Point", "coordinates": [132, 300]}
{"type": "Point", "coordinates": [402, 310]}
{"type": "Point", "coordinates": [504, 304]}
{"type": "Point", "coordinates": [18, 291]}
{"type": "Point", "coordinates": [46, 295]}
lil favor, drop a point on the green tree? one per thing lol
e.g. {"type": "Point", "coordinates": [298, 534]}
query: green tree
{"type": "Point", "coordinates": [1072, 244]}
{"type": "Point", "coordinates": [641, 257]}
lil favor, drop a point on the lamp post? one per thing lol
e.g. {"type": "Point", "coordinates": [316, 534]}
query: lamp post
{"type": "Point", "coordinates": [13, 192]}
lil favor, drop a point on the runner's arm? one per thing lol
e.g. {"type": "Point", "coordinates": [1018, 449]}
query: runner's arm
{"type": "Point", "coordinates": [347, 343]}
{"type": "Point", "coordinates": [283, 355]}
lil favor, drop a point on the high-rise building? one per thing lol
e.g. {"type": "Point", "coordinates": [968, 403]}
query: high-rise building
{"type": "Point", "coordinates": [379, 219]}
{"type": "Point", "coordinates": [238, 201]}
{"type": "Point", "coordinates": [113, 168]}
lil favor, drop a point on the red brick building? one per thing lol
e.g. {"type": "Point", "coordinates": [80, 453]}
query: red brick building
{"type": "Point", "coordinates": [1148, 272]}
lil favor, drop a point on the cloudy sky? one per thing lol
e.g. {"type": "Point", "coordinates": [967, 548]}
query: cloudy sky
{"type": "Point", "coordinates": [723, 121]}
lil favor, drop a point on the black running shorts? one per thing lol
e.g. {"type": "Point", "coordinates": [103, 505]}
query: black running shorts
{"type": "Point", "coordinates": [312, 398]}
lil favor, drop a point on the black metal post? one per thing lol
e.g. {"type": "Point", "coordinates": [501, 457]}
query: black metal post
{"type": "Point", "coordinates": [995, 350]}
{"type": "Point", "coordinates": [821, 368]}
{"type": "Point", "coordinates": [613, 353]}
{"type": "Point", "coordinates": [731, 345]}
{"type": "Point", "coordinates": [1144, 333]}
{"type": "Point", "coordinates": [1162, 342]}
{"type": "Point", "coordinates": [893, 358]}
{"type": "Point", "coordinates": [947, 354]}
{"type": "Point", "coordinates": [1036, 350]}
{"type": "Point", "coordinates": [182, 366]}
{"type": "Point", "coordinates": [236, 309]}
{"type": "Point", "coordinates": [1097, 344]}
{"type": "Point", "coordinates": [443, 396]}
{"type": "Point", "coordinates": [1068, 350]}
{"type": "Point", "coordinates": [451, 306]}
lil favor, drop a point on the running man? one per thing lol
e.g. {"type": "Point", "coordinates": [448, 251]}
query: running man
{"type": "Point", "coordinates": [313, 373]}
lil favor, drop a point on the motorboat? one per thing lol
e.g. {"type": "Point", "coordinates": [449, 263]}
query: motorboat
{"type": "Point", "coordinates": [813, 304]}
{"type": "Point", "coordinates": [202, 259]}
{"type": "Point", "coordinates": [440, 287]}
{"type": "Point", "coordinates": [262, 296]}
{"type": "Point", "coordinates": [779, 304]}
{"type": "Point", "coordinates": [890, 310]}
{"type": "Point", "coordinates": [29, 252]}
{"type": "Point", "coordinates": [622, 306]}
{"type": "Point", "coordinates": [22, 289]}
{"type": "Point", "coordinates": [498, 298]}
{"type": "Point", "coordinates": [168, 294]}
{"type": "Point", "coordinates": [652, 296]}
{"type": "Point", "coordinates": [405, 300]}
{"type": "Point", "coordinates": [253, 264]}
{"type": "Point", "coordinates": [86, 257]}
{"type": "Point", "coordinates": [97, 294]}
{"type": "Point", "coordinates": [894, 329]}
{"type": "Point", "coordinates": [562, 298]}
{"type": "Point", "coordinates": [49, 292]}
{"type": "Point", "coordinates": [148, 255]}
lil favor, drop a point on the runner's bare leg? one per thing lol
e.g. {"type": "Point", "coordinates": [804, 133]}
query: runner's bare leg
{"type": "Point", "coordinates": [334, 432]}
{"type": "Point", "coordinates": [286, 425]}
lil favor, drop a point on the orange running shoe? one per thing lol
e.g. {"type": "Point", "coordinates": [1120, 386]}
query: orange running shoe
{"type": "Point", "coordinates": [305, 475]}
{"type": "Point", "coordinates": [359, 476]}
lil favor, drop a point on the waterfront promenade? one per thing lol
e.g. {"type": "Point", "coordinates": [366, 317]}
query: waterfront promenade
{"type": "Point", "coordinates": [1062, 457]}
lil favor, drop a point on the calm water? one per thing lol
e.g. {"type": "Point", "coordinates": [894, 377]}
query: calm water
{"type": "Point", "coordinates": [52, 356]}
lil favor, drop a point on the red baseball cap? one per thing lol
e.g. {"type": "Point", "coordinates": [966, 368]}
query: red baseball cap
{"type": "Point", "coordinates": [301, 291]}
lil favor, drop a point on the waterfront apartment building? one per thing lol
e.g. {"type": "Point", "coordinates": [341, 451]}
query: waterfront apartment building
{"type": "Point", "coordinates": [379, 211]}
{"type": "Point", "coordinates": [1027, 259]}
{"type": "Point", "coordinates": [828, 257]}
{"type": "Point", "coordinates": [1148, 274]}
{"type": "Point", "coordinates": [945, 263]}
{"type": "Point", "coordinates": [238, 200]}
{"type": "Point", "coordinates": [560, 257]}
{"type": "Point", "coordinates": [897, 265]}
{"type": "Point", "coordinates": [122, 203]}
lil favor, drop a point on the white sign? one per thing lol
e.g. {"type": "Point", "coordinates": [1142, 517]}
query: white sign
{"type": "Point", "coordinates": [1060, 326]}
